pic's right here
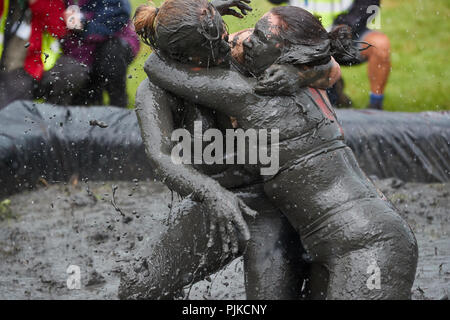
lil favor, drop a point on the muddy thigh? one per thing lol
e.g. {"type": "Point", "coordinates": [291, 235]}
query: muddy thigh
{"type": "Point", "coordinates": [368, 251]}
{"type": "Point", "coordinates": [177, 257]}
{"type": "Point", "coordinates": [273, 260]}
{"type": "Point", "coordinates": [273, 265]}
{"type": "Point", "coordinates": [359, 244]}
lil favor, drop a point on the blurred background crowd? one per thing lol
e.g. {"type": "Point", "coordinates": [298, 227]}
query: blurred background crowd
{"type": "Point", "coordinates": [85, 52]}
{"type": "Point", "coordinates": [67, 52]}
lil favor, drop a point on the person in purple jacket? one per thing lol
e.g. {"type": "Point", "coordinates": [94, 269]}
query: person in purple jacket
{"type": "Point", "coordinates": [96, 53]}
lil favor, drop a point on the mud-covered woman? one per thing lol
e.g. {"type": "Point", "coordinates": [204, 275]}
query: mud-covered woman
{"type": "Point", "coordinates": [272, 260]}
{"type": "Point", "coordinates": [359, 245]}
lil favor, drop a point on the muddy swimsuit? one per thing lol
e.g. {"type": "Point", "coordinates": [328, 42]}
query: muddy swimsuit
{"type": "Point", "coordinates": [359, 245]}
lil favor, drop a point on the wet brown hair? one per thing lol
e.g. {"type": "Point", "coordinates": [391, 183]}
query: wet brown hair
{"type": "Point", "coordinates": [167, 29]}
{"type": "Point", "coordinates": [144, 21]}
{"type": "Point", "coordinates": [148, 18]}
{"type": "Point", "coordinates": [307, 41]}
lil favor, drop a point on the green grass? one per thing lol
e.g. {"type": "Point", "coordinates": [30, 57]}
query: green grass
{"type": "Point", "coordinates": [5, 210]}
{"type": "Point", "coordinates": [419, 31]}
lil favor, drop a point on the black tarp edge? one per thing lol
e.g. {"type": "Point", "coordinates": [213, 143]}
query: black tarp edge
{"type": "Point", "coordinates": [53, 143]}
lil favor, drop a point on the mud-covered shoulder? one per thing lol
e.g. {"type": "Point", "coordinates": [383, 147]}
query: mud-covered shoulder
{"type": "Point", "coordinates": [221, 89]}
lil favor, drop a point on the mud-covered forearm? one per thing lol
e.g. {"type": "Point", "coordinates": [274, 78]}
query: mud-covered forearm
{"type": "Point", "coordinates": [156, 124]}
{"type": "Point", "coordinates": [217, 88]}
{"type": "Point", "coordinates": [287, 79]}
{"type": "Point", "coordinates": [225, 209]}
{"type": "Point", "coordinates": [225, 7]}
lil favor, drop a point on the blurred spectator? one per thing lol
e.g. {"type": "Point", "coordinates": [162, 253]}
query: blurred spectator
{"type": "Point", "coordinates": [27, 29]}
{"type": "Point", "coordinates": [355, 13]}
{"type": "Point", "coordinates": [97, 51]}
{"type": "Point", "coordinates": [14, 33]}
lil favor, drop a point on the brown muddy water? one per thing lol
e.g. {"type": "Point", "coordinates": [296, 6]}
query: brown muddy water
{"type": "Point", "coordinates": [43, 232]}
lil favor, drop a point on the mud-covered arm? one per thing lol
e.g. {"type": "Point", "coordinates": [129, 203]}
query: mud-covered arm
{"type": "Point", "coordinates": [224, 90]}
{"type": "Point", "coordinates": [287, 79]}
{"type": "Point", "coordinates": [153, 109]}
{"type": "Point", "coordinates": [224, 7]}
{"type": "Point", "coordinates": [154, 113]}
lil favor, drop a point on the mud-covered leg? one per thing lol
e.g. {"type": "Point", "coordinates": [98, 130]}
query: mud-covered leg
{"type": "Point", "coordinates": [274, 269]}
{"type": "Point", "coordinates": [177, 258]}
{"type": "Point", "coordinates": [357, 275]}
{"type": "Point", "coordinates": [317, 284]}
{"type": "Point", "coordinates": [378, 261]}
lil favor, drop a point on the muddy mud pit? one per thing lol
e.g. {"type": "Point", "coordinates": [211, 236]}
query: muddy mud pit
{"type": "Point", "coordinates": [43, 232]}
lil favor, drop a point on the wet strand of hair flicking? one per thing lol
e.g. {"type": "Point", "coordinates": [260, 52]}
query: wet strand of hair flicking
{"type": "Point", "coordinates": [212, 52]}
{"type": "Point", "coordinates": [204, 32]}
{"type": "Point", "coordinates": [344, 51]}
{"type": "Point", "coordinates": [364, 42]}
{"type": "Point", "coordinates": [351, 55]}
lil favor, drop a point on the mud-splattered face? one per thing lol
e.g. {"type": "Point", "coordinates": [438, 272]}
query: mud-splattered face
{"type": "Point", "coordinates": [264, 45]}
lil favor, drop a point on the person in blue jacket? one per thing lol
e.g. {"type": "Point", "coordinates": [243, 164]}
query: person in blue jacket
{"type": "Point", "coordinates": [96, 53]}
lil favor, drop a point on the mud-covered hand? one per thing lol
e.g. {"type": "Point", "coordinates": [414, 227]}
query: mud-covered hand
{"type": "Point", "coordinates": [279, 80]}
{"type": "Point", "coordinates": [226, 218]}
{"type": "Point", "coordinates": [287, 79]}
{"type": "Point", "coordinates": [224, 7]}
